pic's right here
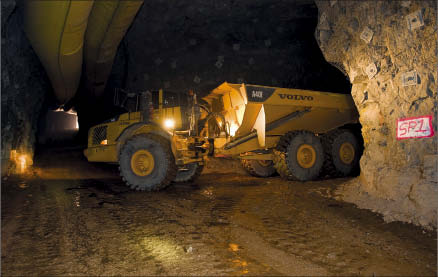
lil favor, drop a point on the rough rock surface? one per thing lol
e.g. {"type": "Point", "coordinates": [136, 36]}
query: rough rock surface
{"type": "Point", "coordinates": [200, 44]}
{"type": "Point", "coordinates": [23, 89]}
{"type": "Point", "coordinates": [375, 44]}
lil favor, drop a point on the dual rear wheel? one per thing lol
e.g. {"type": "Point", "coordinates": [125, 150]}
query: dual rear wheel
{"type": "Point", "coordinates": [303, 156]}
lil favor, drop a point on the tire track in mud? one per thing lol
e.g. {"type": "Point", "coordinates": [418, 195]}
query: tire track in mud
{"type": "Point", "coordinates": [314, 228]}
{"type": "Point", "coordinates": [201, 228]}
{"type": "Point", "coordinates": [245, 234]}
{"type": "Point", "coordinates": [36, 245]}
{"type": "Point", "coordinates": [228, 225]}
{"type": "Point", "coordinates": [110, 232]}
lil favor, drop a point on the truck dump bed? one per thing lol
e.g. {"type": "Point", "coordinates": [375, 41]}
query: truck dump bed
{"type": "Point", "coordinates": [271, 111]}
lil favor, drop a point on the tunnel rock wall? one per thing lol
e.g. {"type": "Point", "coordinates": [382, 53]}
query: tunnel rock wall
{"type": "Point", "coordinates": [200, 44]}
{"type": "Point", "coordinates": [388, 49]}
{"type": "Point", "coordinates": [23, 88]}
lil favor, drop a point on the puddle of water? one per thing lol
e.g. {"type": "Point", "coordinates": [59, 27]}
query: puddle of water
{"type": "Point", "coordinates": [77, 199]}
{"type": "Point", "coordinates": [233, 247]}
{"type": "Point", "coordinates": [208, 192]}
{"type": "Point", "coordinates": [162, 249]}
{"type": "Point", "coordinates": [22, 185]}
{"type": "Point", "coordinates": [241, 264]}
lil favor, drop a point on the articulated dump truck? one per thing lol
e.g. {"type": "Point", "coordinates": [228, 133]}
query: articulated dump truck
{"type": "Point", "coordinates": [155, 145]}
{"type": "Point", "coordinates": [300, 134]}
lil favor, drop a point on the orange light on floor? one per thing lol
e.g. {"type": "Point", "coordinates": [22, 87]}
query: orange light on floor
{"type": "Point", "coordinates": [22, 163]}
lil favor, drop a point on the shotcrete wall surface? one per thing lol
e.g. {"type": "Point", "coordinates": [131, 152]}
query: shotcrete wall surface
{"type": "Point", "coordinates": [388, 49]}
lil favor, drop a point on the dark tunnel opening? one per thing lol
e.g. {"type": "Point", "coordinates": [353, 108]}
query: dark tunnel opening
{"type": "Point", "coordinates": [198, 49]}
{"type": "Point", "coordinates": [200, 46]}
{"type": "Point", "coordinates": [219, 137]}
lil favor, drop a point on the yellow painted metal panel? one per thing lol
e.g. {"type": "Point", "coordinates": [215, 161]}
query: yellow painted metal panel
{"type": "Point", "coordinates": [56, 32]}
{"type": "Point", "coordinates": [251, 112]}
{"type": "Point", "coordinates": [328, 111]}
{"type": "Point", "coordinates": [108, 23]}
{"type": "Point", "coordinates": [248, 146]}
{"type": "Point", "coordinates": [260, 126]}
{"type": "Point", "coordinates": [107, 153]}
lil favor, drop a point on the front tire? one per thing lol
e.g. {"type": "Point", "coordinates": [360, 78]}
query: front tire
{"type": "Point", "coordinates": [146, 163]}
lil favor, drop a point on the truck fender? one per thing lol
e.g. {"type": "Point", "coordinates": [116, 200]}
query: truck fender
{"type": "Point", "coordinates": [141, 128]}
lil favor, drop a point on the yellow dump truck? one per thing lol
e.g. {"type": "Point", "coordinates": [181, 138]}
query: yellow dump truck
{"type": "Point", "coordinates": [298, 133]}
{"type": "Point", "coordinates": [154, 145]}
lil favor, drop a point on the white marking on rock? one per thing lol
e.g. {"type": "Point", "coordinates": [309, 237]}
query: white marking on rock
{"type": "Point", "coordinates": [323, 22]}
{"type": "Point", "coordinates": [405, 4]}
{"type": "Point", "coordinates": [367, 35]}
{"type": "Point", "coordinates": [415, 20]}
{"type": "Point", "coordinates": [409, 78]}
{"type": "Point", "coordinates": [371, 70]}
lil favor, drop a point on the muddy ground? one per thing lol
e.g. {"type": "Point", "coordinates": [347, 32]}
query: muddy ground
{"type": "Point", "coordinates": [76, 218]}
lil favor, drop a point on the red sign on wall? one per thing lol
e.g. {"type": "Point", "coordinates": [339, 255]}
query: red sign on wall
{"type": "Point", "coordinates": [415, 127]}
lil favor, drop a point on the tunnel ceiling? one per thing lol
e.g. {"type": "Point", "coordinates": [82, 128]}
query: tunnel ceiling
{"type": "Point", "coordinates": [62, 33]}
{"type": "Point", "coordinates": [199, 44]}
{"type": "Point", "coordinates": [173, 46]}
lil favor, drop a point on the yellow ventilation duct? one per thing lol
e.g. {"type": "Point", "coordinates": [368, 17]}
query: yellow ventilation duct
{"type": "Point", "coordinates": [56, 31]}
{"type": "Point", "coordinates": [107, 25]}
{"type": "Point", "coordinates": [60, 31]}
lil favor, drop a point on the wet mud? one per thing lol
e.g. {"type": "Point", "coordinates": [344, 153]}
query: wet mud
{"type": "Point", "coordinates": [224, 224]}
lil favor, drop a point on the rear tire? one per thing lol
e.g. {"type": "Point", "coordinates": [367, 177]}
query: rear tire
{"type": "Point", "coordinates": [299, 156]}
{"type": "Point", "coordinates": [146, 163]}
{"type": "Point", "coordinates": [189, 173]}
{"type": "Point", "coordinates": [341, 149]}
{"type": "Point", "coordinates": [259, 168]}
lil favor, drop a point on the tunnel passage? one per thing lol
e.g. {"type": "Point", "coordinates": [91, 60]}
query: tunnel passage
{"type": "Point", "coordinates": [200, 45]}
{"type": "Point", "coordinates": [57, 126]}
{"type": "Point", "coordinates": [387, 51]}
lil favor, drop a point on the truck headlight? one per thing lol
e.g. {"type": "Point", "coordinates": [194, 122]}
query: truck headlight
{"type": "Point", "coordinates": [169, 124]}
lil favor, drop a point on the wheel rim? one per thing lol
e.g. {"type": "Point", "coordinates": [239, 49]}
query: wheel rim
{"type": "Point", "coordinates": [306, 156]}
{"type": "Point", "coordinates": [142, 162]}
{"type": "Point", "coordinates": [346, 153]}
{"type": "Point", "coordinates": [265, 163]}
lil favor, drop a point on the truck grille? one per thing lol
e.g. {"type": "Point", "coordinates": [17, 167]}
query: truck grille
{"type": "Point", "coordinates": [99, 134]}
